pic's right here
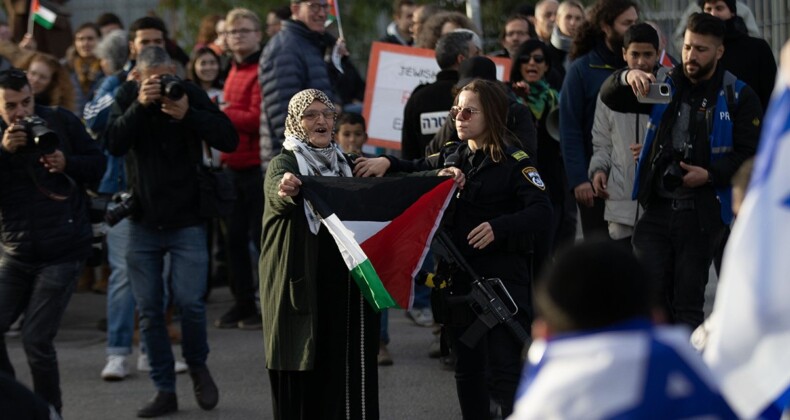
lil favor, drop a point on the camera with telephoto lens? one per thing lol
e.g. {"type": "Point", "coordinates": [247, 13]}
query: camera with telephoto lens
{"type": "Point", "coordinates": [172, 87]}
{"type": "Point", "coordinates": [122, 205]}
{"type": "Point", "coordinates": [40, 139]}
{"type": "Point", "coordinates": [672, 177]}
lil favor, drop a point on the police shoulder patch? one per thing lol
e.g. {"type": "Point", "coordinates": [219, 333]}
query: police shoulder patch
{"type": "Point", "coordinates": [520, 155]}
{"type": "Point", "coordinates": [532, 175]}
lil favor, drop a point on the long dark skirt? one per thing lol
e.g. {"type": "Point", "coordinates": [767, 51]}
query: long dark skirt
{"type": "Point", "coordinates": [344, 381]}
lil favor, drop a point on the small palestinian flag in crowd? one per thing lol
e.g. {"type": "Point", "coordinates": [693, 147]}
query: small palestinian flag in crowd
{"type": "Point", "coordinates": [42, 15]}
{"type": "Point", "coordinates": [383, 228]}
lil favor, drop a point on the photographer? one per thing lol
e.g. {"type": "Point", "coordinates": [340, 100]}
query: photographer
{"type": "Point", "coordinates": [161, 123]}
{"type": "Point", "coordinates": [46, 158]}
{"type": "Point", "coordinates": [693, 146]}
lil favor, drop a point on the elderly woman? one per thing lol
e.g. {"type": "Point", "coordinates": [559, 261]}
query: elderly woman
{"type": "Point", "coordinates": [321, 337]}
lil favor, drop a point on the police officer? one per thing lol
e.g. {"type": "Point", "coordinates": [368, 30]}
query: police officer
{"type": "Point", "coordinates": [502, 203]}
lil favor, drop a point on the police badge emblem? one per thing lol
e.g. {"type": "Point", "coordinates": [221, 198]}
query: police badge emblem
{"type": "Point", "coordinates": [532, 175]}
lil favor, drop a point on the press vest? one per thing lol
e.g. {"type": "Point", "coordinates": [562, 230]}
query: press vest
{"type": "Point", "coordinates": [720, 137]}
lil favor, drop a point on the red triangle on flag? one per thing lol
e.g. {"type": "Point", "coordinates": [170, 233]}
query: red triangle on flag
{"type": "Point", "coordinates": [401, 246]}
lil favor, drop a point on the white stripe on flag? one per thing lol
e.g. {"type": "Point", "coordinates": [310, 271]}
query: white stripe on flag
{"type": "Point", "coordinates": [45, 17]}
{"type": "Point", "coordinates": [749, 336]}
{"type": "Point", "coordinates": [362, 231]}
{"type": "Point", "coordinates": [352, 253]}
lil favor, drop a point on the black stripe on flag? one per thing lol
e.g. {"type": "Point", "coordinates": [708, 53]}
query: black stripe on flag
{"type": "Point", "coordinates": [366, 199]}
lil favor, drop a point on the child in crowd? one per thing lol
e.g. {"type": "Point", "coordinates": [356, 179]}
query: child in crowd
{"type": "Point", "coordinates": [351, 135]}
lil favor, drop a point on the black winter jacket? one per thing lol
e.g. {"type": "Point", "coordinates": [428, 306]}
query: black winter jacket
{"type": "Point", "coordinates": [749, 59]}
{"type": "Point", "coordinates": [33, 227]}
{"type": "Point", "coordinates": [164, 154]}
{"type": "Point", "coordinates": [434, 98]}
{"type": "Point", "coordinates": [291, 61]}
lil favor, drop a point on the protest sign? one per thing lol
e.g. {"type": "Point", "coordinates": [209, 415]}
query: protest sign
{"type": "Point", "coordinates": [393, 73]}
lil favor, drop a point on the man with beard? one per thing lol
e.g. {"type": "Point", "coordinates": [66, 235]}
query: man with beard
{"type": "Point", "coordinates": [596, 53]}
{"type": "Point", "coordinates": [692, 148]}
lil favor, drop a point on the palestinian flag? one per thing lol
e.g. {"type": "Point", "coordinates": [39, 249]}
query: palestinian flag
{"type": "Point", "coordinates": [42, 15]}
{"type": "Point", "coordinates": [332, 15]}
{"type": "Point", "coordinates": [383, 227]}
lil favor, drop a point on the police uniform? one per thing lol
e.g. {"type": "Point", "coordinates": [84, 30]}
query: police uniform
{"type": "Point", "coordinates": [511, 196]}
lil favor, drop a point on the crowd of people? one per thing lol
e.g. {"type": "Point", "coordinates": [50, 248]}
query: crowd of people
{"type": "Point", "coordinates": [200, 157]}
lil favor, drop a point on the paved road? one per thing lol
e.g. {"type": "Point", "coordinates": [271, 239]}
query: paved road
{"type": "Point", "coordinates": [413, 388]}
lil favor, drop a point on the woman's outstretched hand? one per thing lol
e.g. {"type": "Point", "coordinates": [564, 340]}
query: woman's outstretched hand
{"type": "Point", "coordinates": [289, 185]}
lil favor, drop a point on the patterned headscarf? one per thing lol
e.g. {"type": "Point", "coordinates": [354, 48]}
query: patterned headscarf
{"type": "Point", "coordinates": [313, 161]}
{"type": "Point", "coordinates": [297, 106]}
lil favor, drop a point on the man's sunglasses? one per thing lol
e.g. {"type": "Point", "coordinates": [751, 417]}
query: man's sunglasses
{"type": "Point", "coordinates": [463, 114]}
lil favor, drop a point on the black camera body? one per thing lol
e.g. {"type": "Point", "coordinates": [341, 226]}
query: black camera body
{"type": "Point", "coordinates": [172, 87]}
{"type": "Point", "coordinates": [123, 204]}
{"type": "Point", "coordinates": [40, 139]}
{"type": "Point", "coordinates": [672, 177]}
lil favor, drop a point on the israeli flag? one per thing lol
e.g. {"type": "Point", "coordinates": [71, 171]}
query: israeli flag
{"type": "Point", "coordinates": [748, 345]}
{"type": "Point", "coordinates": [630, 371]}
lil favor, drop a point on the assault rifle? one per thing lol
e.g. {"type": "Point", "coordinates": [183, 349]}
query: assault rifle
{"type": "Point", "coordinates": [484, 299]}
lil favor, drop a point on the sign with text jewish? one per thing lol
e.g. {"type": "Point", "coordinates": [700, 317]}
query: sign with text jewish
{"type": "Point", "coordinates": [393, 73]}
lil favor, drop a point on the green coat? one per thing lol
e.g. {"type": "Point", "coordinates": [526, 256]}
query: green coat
{"type": "Point", "coordinates": [287, 274]}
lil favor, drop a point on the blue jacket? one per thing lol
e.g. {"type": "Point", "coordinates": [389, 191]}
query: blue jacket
{"type": "Point", "coordinates": [97, 116]}
{"type": "Point", "coordinates": [724, 138]}
{"type": "Point", "coordinates": [577, 108]}
{"type": "Point", "coordinates": [720, 139]}
{"type": "Point", "coordinates": [291, 61]}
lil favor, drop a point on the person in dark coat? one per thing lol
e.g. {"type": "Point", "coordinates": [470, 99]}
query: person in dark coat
{"type": "Point", "coordinates": [163, 135]}
{"type": "Point", "coordinates": [529, 76]}
{"type": "Point", "coordinates": [596, 53]}
{"type": "Point", "coordinates": [428, 104]}
{"type": "Point", "coordinates": [44, 228]}
{"type": "Point", "coordinates": [694, 145]}
{"type": "Point", "coordinates": [750, 59]}
{"type": "Point", "coordinates": [293, 60]}
{"type": "Point", "coordinates": [502, 204]}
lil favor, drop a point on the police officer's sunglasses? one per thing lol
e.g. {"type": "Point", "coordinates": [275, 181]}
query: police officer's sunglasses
{"type": "Point", "coordinates": [463, 114]}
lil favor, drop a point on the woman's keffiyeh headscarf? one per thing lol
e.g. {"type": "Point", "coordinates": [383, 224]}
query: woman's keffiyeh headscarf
{"type": "Point", "coordinates": [313, 161]}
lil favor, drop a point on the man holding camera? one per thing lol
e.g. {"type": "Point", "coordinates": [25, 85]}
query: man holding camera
{"type": "Point", "coordinates": [693, 146]}
{"type": "Point", "coordinates": [46, 158]}
{"type": "Point", "coordinates": [161, 123]}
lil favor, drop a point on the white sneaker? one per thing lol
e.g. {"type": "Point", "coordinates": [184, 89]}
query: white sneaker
{"type": "Point", "coordinates": [421, 316]}
{"type": "Point", "coordinates": [142, 363]}
{"type": "Point", "coordinates": [115, 370]}
{"type": "Point", "coordinates": [144, 366]}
